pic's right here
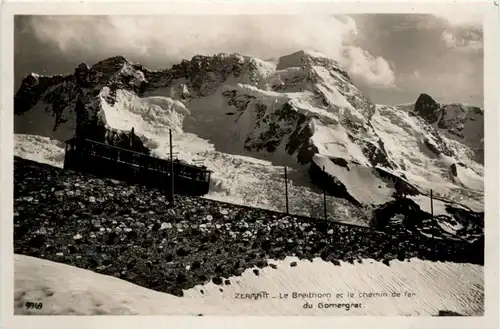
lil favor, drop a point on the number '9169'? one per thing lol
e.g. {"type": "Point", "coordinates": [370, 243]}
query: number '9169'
{"type": "Point", "coordinates": [32, 305]}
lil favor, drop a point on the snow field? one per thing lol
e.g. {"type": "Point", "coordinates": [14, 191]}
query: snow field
{"type": "Point", "coordinates": [403, 138]}
{"type": "Point", "coordinates": [425, 288]}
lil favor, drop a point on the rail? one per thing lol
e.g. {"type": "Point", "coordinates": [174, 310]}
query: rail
{"type": "Point", "coordinates": [445, 200]}
{"type": "Point", "coordinates": [144, 167]}
{"type": "Point", "coordinates": [306, 218]}
{"type": "Point", "coordinates": [271, 212]}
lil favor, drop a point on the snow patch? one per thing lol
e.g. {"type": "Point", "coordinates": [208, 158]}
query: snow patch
{"type": "Point", "coordinates": [361, 182]}
{"type": "Point", "coordinates": [150, 116]}
{"type": "Point", "coordinates": [40, 149]}
{"type": "Point", "coordinates": [333, 140]}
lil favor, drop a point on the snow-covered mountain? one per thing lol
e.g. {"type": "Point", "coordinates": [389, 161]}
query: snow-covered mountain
{"type": "Point", "coordinates": [244, 118]}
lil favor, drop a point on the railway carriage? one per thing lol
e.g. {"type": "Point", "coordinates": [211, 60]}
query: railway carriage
{"type": "Point", "coordinates": [103, 160]}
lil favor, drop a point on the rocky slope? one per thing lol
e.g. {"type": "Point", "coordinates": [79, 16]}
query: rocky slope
{"type": "Point", "coordinates": [133, 233]}
{"type": "Point", "coordinates": [302, 110]}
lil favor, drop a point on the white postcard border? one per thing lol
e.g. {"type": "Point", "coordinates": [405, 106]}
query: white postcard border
{"type": "Point", "coordinates": [491, 105]}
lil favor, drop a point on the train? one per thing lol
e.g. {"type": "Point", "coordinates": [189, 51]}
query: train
{"type": "Point", "coordinates": [108, 161]}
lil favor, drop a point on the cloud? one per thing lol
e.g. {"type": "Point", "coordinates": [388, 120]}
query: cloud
{"type": "Point", "coordinates": [159, 41]}
{"type": "Point", "coordinates": [466, 42]}
{"type": "Point", "coordinates": [462, 18]}
{"type": "Point", "coordinates": [375, 71]}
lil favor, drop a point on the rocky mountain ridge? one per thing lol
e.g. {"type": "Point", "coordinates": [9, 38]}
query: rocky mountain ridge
{"type": "Point", "coordinates": [203, 75]}
{"type": "Point", "coordinates": [458, 121]}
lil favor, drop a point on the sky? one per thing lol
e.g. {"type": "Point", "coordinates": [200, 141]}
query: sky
{"type": "Point", "coordinates": [392, 58]}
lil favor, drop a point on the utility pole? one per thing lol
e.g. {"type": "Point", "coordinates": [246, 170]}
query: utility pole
{"type": "Point", "coordinates": [171, 165]}
{"type": "Point", "coordinates": [432, 206]}
{"type": "Point", "coordinates": [432, 212]}
{"type": "Point", "coordinates": [324, 197]}
{"type": "Point", "coordinates": [286, 191]}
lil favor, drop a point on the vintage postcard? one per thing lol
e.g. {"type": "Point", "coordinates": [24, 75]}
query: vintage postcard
{"type": "Point", "coordinates": [321, 160]}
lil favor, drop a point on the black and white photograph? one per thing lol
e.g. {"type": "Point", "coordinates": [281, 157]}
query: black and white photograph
{"type": "Point", "coordinates": [320, 164]}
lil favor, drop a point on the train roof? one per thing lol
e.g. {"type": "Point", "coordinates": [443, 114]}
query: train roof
{"type": "Point", "coordinates": [73, 139]}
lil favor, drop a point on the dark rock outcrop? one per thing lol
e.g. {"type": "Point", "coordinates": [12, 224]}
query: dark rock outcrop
{"type": "Point", "coordinates": [274, 129]}
{"type": "Point", "coordinates": [427, 108]}
{"type": "Point", "coordinates": [411, 212]}
{"type": "Point", "coordinates": [330, 183]}
{"type": "Point", "coordinates": [449, 313]}
{"type": "Point", "coordinates": [400, 183]}
{"type": "Point", "coordinates": [376, 154]}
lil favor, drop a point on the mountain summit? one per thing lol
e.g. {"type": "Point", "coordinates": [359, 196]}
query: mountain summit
{"type": "Point", "coordinates": [302, 111]}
